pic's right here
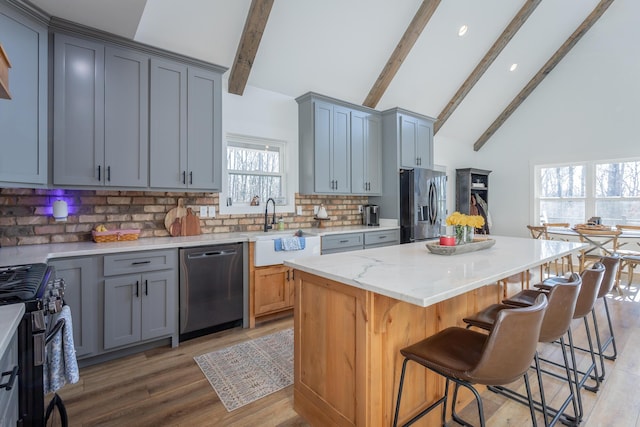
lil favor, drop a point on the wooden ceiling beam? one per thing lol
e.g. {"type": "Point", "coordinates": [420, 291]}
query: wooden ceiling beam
{"type": "Point", "coordinates": [413, 31]}
{"type": "Point", "coordinates": [249, 43]}
{"type": "Point", "coordinates": [544, 71]}
{"type": "Point", "coordinates": [518, 20]}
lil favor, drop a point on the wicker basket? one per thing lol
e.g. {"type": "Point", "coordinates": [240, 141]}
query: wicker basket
{"type": "Point", "coordinates": [115, 236]}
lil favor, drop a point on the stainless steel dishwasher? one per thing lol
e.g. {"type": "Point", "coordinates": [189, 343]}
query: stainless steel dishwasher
{"type": "Point", "coordinates": [210, 289]}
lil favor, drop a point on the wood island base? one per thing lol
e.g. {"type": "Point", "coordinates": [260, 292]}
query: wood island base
{"type": "Point", "coordinates": [347, 359]}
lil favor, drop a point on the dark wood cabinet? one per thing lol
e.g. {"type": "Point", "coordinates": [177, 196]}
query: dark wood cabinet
{"type": "Point", "coordinates": [473, 184]}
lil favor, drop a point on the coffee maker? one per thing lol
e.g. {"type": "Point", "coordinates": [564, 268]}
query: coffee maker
{"type": "Point", "coordinates": [370, 215]}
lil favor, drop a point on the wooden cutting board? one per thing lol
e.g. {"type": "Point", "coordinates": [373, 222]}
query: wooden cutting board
{"type": "Point", "coordinates": [177, 212]}
{"type": "Point", "coordinates": [190, 224]}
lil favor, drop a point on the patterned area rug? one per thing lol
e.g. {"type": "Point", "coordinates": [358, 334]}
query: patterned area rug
{"type": "Point", "coordinates": [248, 371]}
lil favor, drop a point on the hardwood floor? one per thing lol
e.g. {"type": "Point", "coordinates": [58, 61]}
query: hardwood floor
{"type": "Point", "coordinates": [165, 387]}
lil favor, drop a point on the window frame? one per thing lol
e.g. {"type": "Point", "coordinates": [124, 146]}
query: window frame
{"type": "Point", "coordinates": [234, 139]}
{"type": "Point", "coordinates": [590, 199]}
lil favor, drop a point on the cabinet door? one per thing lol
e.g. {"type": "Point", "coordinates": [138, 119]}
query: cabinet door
{"type": "Point", "coordinates": [122, 318]}
{"type": "Point", "coordinates": [78, 112]}
{"type": "Point", "coordinates": [424, 144]}
{"type": "Point", "coordinates": [323, 137]}
{"type": "Point", "coordinates": [81, 283]}
{"type": "Point", "coordinates": [23, 118]}
{"type": "Point", "coordinates": [408, 141]}
{"type": "Point", "coordinates": [204, 148]}
{"type": "Point", "coordinates": [341, 150]}
{"type": "Point", "coordinates": [332, 147]}
{"type": "Point", "coordinates": [159, 305]}
{"type": "Point", "coordinates": [126, 118]}
{"type": "Point", "coordinates": [366, 146]}
{"type": "Point", "coordinates": [271, 289]}
{"type": "Point", "coordinates": [168, 117]}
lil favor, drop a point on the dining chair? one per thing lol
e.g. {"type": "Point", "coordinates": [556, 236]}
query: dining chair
{"type": "Point", "coordinates": [540, 232]}
{"type": "Point", "coordinates": [630, 257]}
{"type": "Point", "coordinates": [601, 243]}
{"type": "Point", "coordinates": [568, 258]}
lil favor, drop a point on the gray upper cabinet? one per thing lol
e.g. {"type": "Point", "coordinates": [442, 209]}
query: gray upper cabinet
{"type": "Point", "coordinates": [340, 147]}
{"type": "Point", "coordinates": [331, 148]}
{"type": "Point", "coordinates": [100, 114]}
{"type": "Point", "coordinates": [186, 139]}
{"type": "Point", "coordinates": [416, 142]}
{"type": "Point", "coordinates": [23, 119]}
{"type": "Point", "coordinates": [126, 118]}
{"type": "Point", "coordinates": [168, 124]}
{"type": "Point", "coordinates": [78, 111]}
{"type": "Point", "coordinates": [366, 145]}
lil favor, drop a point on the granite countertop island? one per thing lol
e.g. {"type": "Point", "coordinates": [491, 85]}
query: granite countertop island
{"type": "Point", "coordinates": [354, 311]}
{"type": "Point", "coordinates": [411, 273]}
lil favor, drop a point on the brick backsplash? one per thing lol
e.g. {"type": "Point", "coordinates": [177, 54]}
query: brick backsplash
{"type": "Point", "coordinates": [26, 214]}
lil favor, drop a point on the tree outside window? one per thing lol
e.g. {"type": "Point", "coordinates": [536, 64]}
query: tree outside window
{"type": "Point", "coordinates": [575, 192]}
{"type": "Point", "coordinates": [255, 169]}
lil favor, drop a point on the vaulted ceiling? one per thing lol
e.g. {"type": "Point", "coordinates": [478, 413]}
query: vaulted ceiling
{"type": "Point", "coordinates": [340, 47]}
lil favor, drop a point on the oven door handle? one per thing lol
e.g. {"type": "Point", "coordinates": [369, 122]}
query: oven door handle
{"type": "Point", "coordinates": [59, 325]}
{"type": "Point", "coordinates": [12, 379]}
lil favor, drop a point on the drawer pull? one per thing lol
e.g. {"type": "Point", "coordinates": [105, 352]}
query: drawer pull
{"type": "Point", "coordinates": [12, 379]}
{"type": "Point", "coordinates": [382, 237]}
{"type": "Point", "coordinates": [344, 241]}
{"type": "Point", "coordinates": [141, 262]}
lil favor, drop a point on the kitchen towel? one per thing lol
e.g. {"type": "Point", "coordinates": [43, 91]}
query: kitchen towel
{"type": "Point", "coordinates": [292, 243]}
{"type": "Point", "coordinates": [61, 366]}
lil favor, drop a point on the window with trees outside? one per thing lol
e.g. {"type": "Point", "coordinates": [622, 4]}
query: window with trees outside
{"type": "Point", "coordinates": [575, 192]}
{"type": "Point", "coordinates": [255, 171]}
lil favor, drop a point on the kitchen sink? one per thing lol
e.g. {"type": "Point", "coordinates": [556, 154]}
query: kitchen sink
{"type": "Point", "coordinates": [266, 254]}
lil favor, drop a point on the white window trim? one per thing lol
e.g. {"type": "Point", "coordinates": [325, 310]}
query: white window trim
{"type": "Point", "coordinates": [247, 209]}
{"type": "Point", "coordinates": [590, 180]}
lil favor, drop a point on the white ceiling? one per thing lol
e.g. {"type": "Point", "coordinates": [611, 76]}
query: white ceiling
{"type": "Point", "coordinates": [338, 47]}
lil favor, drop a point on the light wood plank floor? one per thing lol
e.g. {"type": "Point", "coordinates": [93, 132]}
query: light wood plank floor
{"type": "Point", "coordinates": [165, 387]}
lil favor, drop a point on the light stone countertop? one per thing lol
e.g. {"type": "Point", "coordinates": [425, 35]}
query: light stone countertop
{"type": "Point", "coordinates": [10, 316]}
{"type": "Point", "coordinates": [29, 254]}
{"type": "Point", "coordinates": [412, 274]}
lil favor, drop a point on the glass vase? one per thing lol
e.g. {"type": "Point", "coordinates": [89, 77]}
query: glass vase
{"type": "Point", "coordinates": [461, 234]}
{"type": "Point", "coordinates": [469, 234]}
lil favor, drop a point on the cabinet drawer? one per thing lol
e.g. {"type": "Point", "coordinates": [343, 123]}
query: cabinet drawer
{"type": "Point", "coordinates": [340, 242]}
{"type": "Point", "coordinates": [381, 238]}
{"type": "Point", "coordinates": [9, 398]}
{"type": "Point", "coordinates": [138, 262]}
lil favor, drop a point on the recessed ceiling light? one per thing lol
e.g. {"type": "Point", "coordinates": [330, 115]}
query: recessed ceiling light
{"type": "Point", "coordinates": [513, 67]}
{"type": "Point", "coordinates": [463, 30]}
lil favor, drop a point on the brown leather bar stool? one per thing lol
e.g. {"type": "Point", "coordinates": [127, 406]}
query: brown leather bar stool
{"type": "Point", "coordinates": [556, 323]}
{"type": "Point", "coordinates": [612, 266]}
{"type": "Point", "coordinates": [591, 281]}
{"type": "Point", "coordinates": [468, 357]}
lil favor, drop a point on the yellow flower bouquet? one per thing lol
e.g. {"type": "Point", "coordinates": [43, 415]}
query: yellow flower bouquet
{"type": "Point", "coordinates": [464, 226]}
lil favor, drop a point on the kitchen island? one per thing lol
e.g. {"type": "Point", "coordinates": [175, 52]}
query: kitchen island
{"type": "Point", "coordinates": [353, 312]}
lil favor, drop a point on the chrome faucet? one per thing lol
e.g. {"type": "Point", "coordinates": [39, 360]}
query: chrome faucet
{"type": "Point", "coordinates": [266, 209]}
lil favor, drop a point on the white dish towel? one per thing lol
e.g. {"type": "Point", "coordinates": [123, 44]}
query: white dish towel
{"type": "Point", "coordinates": [61, 366]}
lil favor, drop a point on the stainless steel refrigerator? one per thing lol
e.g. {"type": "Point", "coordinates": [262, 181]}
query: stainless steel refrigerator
{"type": "Point", "coordinates": [423, 204]}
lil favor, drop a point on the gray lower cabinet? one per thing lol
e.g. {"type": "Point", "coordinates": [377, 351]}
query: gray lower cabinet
{"type": "Point", "coordinates": [142, 305]}
{"type": "Point", "coordinates": [9, 398]}
{"type": "Point", "coordinates": [377, 239]}
{"type": "Point", "coordinates": [81, 290]}
{"type": "Point", "coordinates": [335, 243]}
{"type": "Point", "coordinates": [186, 139]}
{"type": "Point", "coordinates": [23, 118]}
{"type": "Point", "coordinates": [100, 131]}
